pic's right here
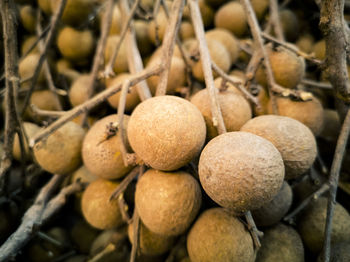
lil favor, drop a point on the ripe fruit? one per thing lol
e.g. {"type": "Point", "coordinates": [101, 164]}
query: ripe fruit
{"type": "Point", "coordinates": [167, 202]}
{"type": "Point", "coordinates": [75, 45]}
{"type": "Point", "coordinates": [235, 110]}
{"type": "Point", "coordinates": [218, 236]}
{"type": "Point", "coordinates": [320, 49]}
{"type": "Point", "coordinates": [232, 17]}
{"type": "Point", "coordinates": [272, 212]}
{"type": "Point", "coordinates": [27, 44]}
{"type": "Point", "coordinates": [79, 93]}
{"type": "Point", "coordinates": [166, 132]}
{"type": "Point", "coordinates": [121, 62]}
{"type": "Point", "coordinates": [288, 68]}
{"type": "Point", "coordinates": [312, 223]}
{"type": "Point", "coordinates": [143, 40]}
{"type": "Point", "coordinates": [260, 7]}
{"type": "Point", "coordinates": [132, 98]}
{"type": "Point", "coordinates": [150, 243]}
{"type": "Point", "coordinates": [227, 39]}
{"type": "Point", "coordinates": [101, 154]}
{"type": "Point", "coordinates": [28, 18]}
{"type": "Point", "coordinates": [310, 112]}
{"type": "Point", "coordinates": [27, 67]}
{"type": "Point", "coordinates": [61, 152]}
{"type": "Point", "coordinates": [161, 21]}
{"type": "Point", "coordinates": [305, 43]}
{"type": "Point", "coordinates": [332, 122]}
{"type": "Point", "coordinates": [281, 243]}
{"type": "Point", "coordinates": [218, 53]}
{"type": "Point", "coordinates": [241, 171]}
{"type": "Point", "coordinates": [98, 210]}
{"type": "Point", "coordinates": [290, 24]}
{"type": "Point", "coordinates": [30, 130]}
{"type": "Point", "coordinates": [186, 30]}
{"type": "Point", "coordinates": [294, 141]}
{"type": "Point", "coordinates": [44, 100]}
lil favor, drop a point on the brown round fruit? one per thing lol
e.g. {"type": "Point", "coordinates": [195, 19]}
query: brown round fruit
{"type": "Point", "coordinates": [30, 130]}
{"type": "Point", "coordinates": [218, 236]}
{"type": "Point", "coordinates": [28, 18]}
{"type": "Point", "coordinates": [102, 156]}
{"type": "Point", "coordinates": [61, 152]}
{"type": "Point", "coordinates": [294, 141]}
{"type": "Point", "coordinates": [78, 93]}
{"type": "Point", "coordinates": [121, 62]}
{"type": "Point", "coordinates": [98, 210]}
{"type": "Point", "coordinates": [27, 67]}
{"type": "Point", "coordinates": [166, 132]}
{"type": "Point", "coordinates": [241, 171]}
{"type": "Point", "coordinates": [235, 110]}
{"type": "Point", "coordinates": [312, 223]}
{"type": "Point", "coordinates": [232, 17]}
{"type": "Point", "coordinates": [281, 243]}
{"type": "Point", "coordinates": [167, 202]}
{"type": "Point", "coordinates": [272, 212]}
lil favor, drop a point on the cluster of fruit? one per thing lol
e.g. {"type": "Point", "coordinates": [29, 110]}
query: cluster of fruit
{"type": "Point", "coordinates": [198, 184]}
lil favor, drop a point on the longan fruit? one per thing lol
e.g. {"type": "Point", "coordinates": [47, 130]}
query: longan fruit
{"type": "Point", "coordinates": [281, 243]}
{"type": "Point", "coordinates": [30, 129]}
{"type": "Point", "coordinates": [288, 69]}
{"type": "Point", "coordinates": [121, 62]}
{"type": "Point", "coordinates": [232, 17]}
{"type": "Point", "coordinates": [28, 18]}
{"type": "Point", "coordinates": [319, 49]}
{"type": "Point", "coordinates": [311, 224]}
{"type": "Point", "coordinates": [161, 21]}
{"type": "Point", "coordinates": [76, 45]}
{"type": "Point", "coordinates": [227, 39]}
{"type": "Point", "coordinates": [101, 155]}
{"type": "Point", "coordinates": [332, 123]}
{"type": "Point", "coordinates": [27, 44]}
{"type": "Point", "coordinates": [235, 110]}
{"type": "Point", "coordinates": [61, 152]}
{"type": "Point", "coordinates": [218, 236]}
{"type": "Point", "coordinates": [260, 7]}
{"type": "Point", "coordinates": [310, 112]}
{"type": "Point", "coordinates": [132, 98]}
{"type": "Point", "coordinates": [45, 6]}
{"type": "Point", "coordinates": [27, 65]}
{"type": "Point", "coordinates": [305, 43]}
{"type": "Point", "coordinates": [65, 67]}
{"type": "Point", "coordinates": [79, 93]}
{"type": "Point", "coordinates": [272, 212]}
{"type": "Point", "coordinates": [83, 235]}
{"type": "Point", "coordinates": [241, 171]}
{"type": "Point", "coordinates": [290, 24]}
{"type": "Point", "coordinates": [186, 30]}
{"type": "Point", "coordinates": [166, 132]}
{"type": "Point", "coordinates": [167, 202]}
{"type": "Point", "coordinates": [144, 42]}
{"type": "Point", "coordinates": [98, 210]}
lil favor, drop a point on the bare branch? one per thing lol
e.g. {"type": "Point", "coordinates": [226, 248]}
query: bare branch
{"type": "Point", "coordinates": [126, 181]}
{"type": "Point", "coordinates": [275, 20]}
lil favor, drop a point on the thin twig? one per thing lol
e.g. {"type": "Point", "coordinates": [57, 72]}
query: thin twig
{"type": "Point", "coordinates": [275, 20]}
{"type": "Point", "coordinates": [253, 229]}
{"type": "Point", "coordinates": [110, 248]}
{"type": "Point", "coordinates": [168, 45]}
{"type": "Point", "coordinates": [124, 184]}
{"type": "Point", "coordinates": [39, 37]}
{"type": "Point", "coordinates": [312, 83]}
{"type": "Point", "coordinates": [48, 41]}
{"type": "Point", "coordinates": [91, 103]}
{"type": "Point", "coordinates": [319, 192]}
{"type": "Point", "coordinates": [123, 207]}
{"type": "Point", "coordinates": [108, 72]}
{"type": "Point", "coordinates": [206, 63]}
{"type": "Point", "coordinates": [333, 183]}
{"type": "Point", "coordinates": [133, 54]}
{"type": "Point", "coordinates": [31, 220]}
{"type": "Point", "coordinates": [39, 112]}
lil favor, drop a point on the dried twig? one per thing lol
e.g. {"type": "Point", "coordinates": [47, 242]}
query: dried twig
{"type": "Point", "coordinates": [108, 72]}
{"type": "Point", "coordinates": [275, 20]}
{"type": "Point", "coordinates": [123, 207]}
{"type": "Point", "coordinates": [31, 220]}
{"type": "Point", "coordinates": [324, 188]}
{"type": "Point", "coordinates": [206, 63]}
{"type": "Point", "coordinates": [333, 183]}
{"type": "Point", "coordinates": [39, 112]}
{"type": "Point", "coordinates": [124, 184]}
{"type": "Point", "coordinates": [48, 41]}
{"type": "Point", "coordinates": [133, 54]}
{"type": "Point", "coordinates": [91, 103]}
{"type": "Point", "coordinates": [100, 257]}
{"type": "Point", "coordinates": [253, 229]}
{"type": "Point", "coordinates": [312, 83]}
{"type": "Point", "coordinates": [168, 44]}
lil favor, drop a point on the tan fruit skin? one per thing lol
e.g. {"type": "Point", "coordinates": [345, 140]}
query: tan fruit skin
{"type": "Point", "coordinates": [295, 141]}
{"type": "Point", "coordinates": [167, 202]}
{"type": "Point", "coordinates": [166, 132]}
{"type": "Point", "coordinates": [61, 152]}
{"type": "Point", "coordinates": [241, 171]}
{"type": "Point", "coordinates": [97, 208]}
{"type": "Point", "coordinates": [235, 110]}
{"type": "Point", "coordinates": [30, 130]}
{"type": "Point", "coordinates": [103, 157]}
{"type": "Point", "coordinates": [218, 236]}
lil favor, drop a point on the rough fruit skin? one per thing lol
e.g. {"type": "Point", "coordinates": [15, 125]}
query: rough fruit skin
{"type": "Point", "coordinates": [78, 93]}
{"type": "Point", "coordinates": [288, 69]}
{"type": "Point", "coordinates": [151, 244]}
{"type": "Point", "coordinates": [166, 132]}
{"type": "Point", "coordinates": [241, 171]}
{"type": "Point", "coordinates": [97, 208]}
{"type": "Point", "coordinates": [232, 17]}
{"type": "Point", "coordinates": [294, 140]}
{"type": "Point", "coordinates": [219, 236]}
{"type": "Point", "coordinates": [281, 243]}
{"type": "Point", "coordinates": [235, 110]}
{"type": "Point", "coordinates": [272, 212]}
{"type": "Point", "coordinates": [102, 156]}
{"type": "Point", "coordinates": [167, 202]}
{"type": "Point", "coordinates": [61, 152]}
{"type": "Point", "coordinates": [310, 112]}
{"type": "Point", "coordinates": [312, 224]}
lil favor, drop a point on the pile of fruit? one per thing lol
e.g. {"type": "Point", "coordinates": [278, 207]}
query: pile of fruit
{"type": "Point", "coordinates": [184, 186]}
